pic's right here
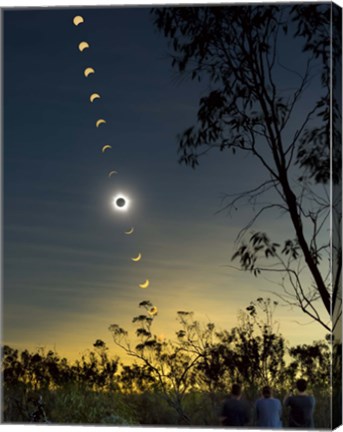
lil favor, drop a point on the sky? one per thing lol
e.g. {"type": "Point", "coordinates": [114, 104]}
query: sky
{"type": "Point", "coordinates": [68, 272]}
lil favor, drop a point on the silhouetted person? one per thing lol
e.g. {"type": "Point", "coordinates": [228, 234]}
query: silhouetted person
{"type": "Point", "coordinates": [268, 410]}
{"type": "Point", "coordinates": [235, 411]}
{"type": "Point", "coordinates": [301, 407]}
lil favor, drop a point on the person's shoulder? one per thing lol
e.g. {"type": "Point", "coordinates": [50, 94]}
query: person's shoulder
{"type": "Point", "coordinates": [229, 400]}
{"type": "Point", "coordinates": [310, 397]}
{"type": "Point", "coordinates": [258, 401]}
{"type": "Point", "coordinates": [225, 404]}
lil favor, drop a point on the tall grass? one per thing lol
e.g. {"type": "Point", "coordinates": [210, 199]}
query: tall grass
{"type": "Point", "coordinates": [73, 404]}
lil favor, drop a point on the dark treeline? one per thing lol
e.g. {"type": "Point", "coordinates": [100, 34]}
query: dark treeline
{"type": "Point", "coordinates": [169, 382]}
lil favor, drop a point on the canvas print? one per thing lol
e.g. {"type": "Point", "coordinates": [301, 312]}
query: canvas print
{"type": "Point", "coordinates": [172, 216]}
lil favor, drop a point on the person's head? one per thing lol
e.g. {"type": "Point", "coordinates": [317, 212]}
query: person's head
{"type": "Point", "coordinates": [236, 390]}
{"type": "Point", "coordinates": [267, 392]}
{"type": "Point", "coordinates": [301, 385]}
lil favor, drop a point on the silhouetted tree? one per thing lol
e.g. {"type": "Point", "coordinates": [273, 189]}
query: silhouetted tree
{"type": "Point", "coordinates": [312, 362]}
{"type": "Point", "coordinates": [135, 378]}
{"type": "Point", "coordinates": [179, 381]}
{"type": "Point", "coordinates": [254, 350]}
{"type": "Point", "coordinates": [250, 109]}
{"type": "Point", "coordinates": [96, 370]}
{"type": "Point", "coordinates": [203, 358]}
{"type": "Point", "coordinates": [168, 365]}
{"type": "Point", "coordinates": [27, 378]}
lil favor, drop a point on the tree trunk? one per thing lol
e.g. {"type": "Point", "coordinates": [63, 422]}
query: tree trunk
{"type": "Point", "coordinates": [296, 220]}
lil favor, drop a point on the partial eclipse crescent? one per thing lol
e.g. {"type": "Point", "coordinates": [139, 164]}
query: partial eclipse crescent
{"type": "Point", "coordinates": [137, 258]}
{"type": "Point", "coordinates": [153, 311]}
{"type": "Point", "coordinates": [83, 45]}
{"type": "Point", "coordinates": [99, 122]}
{"type": "Point", "coordinates": [88, 71]}
{"type": "Point", "coordinates": [130, 231]}
{"type": "Point", "coordinates": [145, 284]}
{"type": "Point", "coordinates": [106, 147]}
{"type": "Point", "coordinates": [94, 96]}
{"type": "Point", "coordinates": [78, 19]}
{"type": "Point", "coordinates": [111, 173]}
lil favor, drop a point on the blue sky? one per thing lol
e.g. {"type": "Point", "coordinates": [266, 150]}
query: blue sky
{"type": "Point", "coordinates": [67, 268]}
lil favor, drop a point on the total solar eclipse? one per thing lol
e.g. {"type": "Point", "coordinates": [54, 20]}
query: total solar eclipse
{"type": "Point", "coordinates": [121, 203]}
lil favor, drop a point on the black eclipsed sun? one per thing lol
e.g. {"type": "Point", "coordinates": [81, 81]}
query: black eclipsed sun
{"type": "Point", "coordinates": [121, 203]}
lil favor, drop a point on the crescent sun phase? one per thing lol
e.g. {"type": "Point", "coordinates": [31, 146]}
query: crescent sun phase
{"type": "Point", "coordinates": [137, 258]}
{"type": "Point", "coordinates": [145, 284]}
